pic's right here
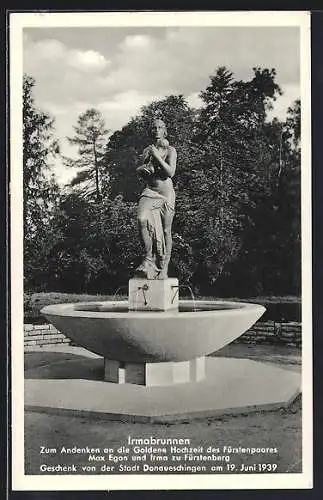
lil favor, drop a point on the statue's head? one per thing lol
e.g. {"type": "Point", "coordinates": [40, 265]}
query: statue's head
{"type": "Point", "coordinates": [158, 128]}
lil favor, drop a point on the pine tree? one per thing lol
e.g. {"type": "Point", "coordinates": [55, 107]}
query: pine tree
{"type": "Point", "coordinates": [236, 158]}
{"type": "Point", "coordinates": [91, 139]}
{"type": "Point", "coordinates": [41, 191]}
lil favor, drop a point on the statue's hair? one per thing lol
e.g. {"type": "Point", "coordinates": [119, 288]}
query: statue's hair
{"type": "Point", "coordinates": [158, 117]}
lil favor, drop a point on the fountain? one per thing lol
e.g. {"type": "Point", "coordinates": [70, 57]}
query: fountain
{"type": "Point", "coordinates": [154, 348]}
{"type": "Point", "coordinates": [152, 339]}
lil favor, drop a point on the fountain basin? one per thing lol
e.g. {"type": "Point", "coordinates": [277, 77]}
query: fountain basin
{"type": "Point", "coordinates": [196, 330]}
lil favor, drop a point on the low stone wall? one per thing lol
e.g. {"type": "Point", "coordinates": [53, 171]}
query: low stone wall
{"type": "Point", "coordinates": [42, 335]}
{"type": "Point", "coordinates": [268, 332]}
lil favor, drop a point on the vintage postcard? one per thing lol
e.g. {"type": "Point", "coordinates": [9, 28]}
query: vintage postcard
{"type": "Point", "coordinates": [160, 201]}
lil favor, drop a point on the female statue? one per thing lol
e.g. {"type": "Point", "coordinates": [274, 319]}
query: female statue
{"type": "Point", "coordinates": [157, 204]}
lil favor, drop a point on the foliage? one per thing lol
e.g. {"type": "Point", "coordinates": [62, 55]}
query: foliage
{"type": "Point", "coordinates": [40, 187]}
{"type": "Point", "coordinates": [34, 302]}
{"type": "Point", "coordinates": [237, 182]}
{"type": "Point", "coordinates": [278, 308]}
{"type": "Point", "coordinates": [90, 137]}
{"type": "Point", "coordinates": [270, 258]}
{"type": "Point", "coordinates": [229, 170]}
{"type": "Point", "coordinates": [126, 146]}
{"type": "Point", "coordinates": [97, 245]}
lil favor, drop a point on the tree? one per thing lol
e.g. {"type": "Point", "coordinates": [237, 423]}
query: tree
{"type": "Point", "coordinates": [96, 247]}
{"type": "Point", "coordinates": [223, 171]}
{"type": "Point", "coordinates": [270, 256]}
{"type": "Point", "coordinates": [126, 145]}
{"type": "Point", "coordinates": [289, 201]}
{"type": "Point", "coordinates": [237, 183]}
{"type": "Point", "coordinates": [293, 123]}
{"type": "Point", "coordinates": [41, 191]}
{"type": "Point", "coordinates": [91, 138]}
{"type": "Point", "coordinates": [234, 159]}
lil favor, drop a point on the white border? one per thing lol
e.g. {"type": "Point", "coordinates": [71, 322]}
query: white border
{"type": "Point", "coordinates": [20, 481]}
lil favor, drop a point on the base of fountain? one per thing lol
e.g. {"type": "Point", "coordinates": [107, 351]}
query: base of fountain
{"type": "Point", "coordinates": [231, 387]}
{"type": "Point", "coordinates": [154, 374]}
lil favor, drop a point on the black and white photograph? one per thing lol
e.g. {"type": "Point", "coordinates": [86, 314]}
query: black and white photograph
{"type": "Point", "coordinates": [160, 250]}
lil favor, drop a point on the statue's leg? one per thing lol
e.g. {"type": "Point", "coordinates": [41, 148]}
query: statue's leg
{"type": "Point", "coordinates": [147, 269]}
{"type": "Point", "coordinates": [167, 219]}
{"type": "Point", "coordinates": [146, 237]}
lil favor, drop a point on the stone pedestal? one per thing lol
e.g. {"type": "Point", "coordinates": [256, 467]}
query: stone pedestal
{"type": "Point", "coordinates": [153, 295]}
{"type": "Point", "coordinates": [154, 374]}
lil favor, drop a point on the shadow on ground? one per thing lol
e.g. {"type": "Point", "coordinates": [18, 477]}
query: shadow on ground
{"type": "Point", "coordinates": [59, 365]}
{"type": "Point", "coordinates": [286, 356]}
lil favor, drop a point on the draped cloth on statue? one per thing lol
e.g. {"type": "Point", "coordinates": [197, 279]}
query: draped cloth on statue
{"type": "Point", "coordinates": [155, 207]}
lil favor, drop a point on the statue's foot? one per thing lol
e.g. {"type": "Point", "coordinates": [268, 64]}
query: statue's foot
{"type": "Point", "coordinates": [147, 269]}
{"type": "Point", "coordinates": [163, 273]}
{"type": "Point", "coordinates": [163, 265]}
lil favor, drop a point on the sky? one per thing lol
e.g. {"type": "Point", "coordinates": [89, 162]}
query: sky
{"type": "Point", "coordinates": [119, 69]}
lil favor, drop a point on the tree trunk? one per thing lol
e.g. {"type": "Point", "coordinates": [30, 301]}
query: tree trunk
{"type": "Point", "coordinates": [96, 174]}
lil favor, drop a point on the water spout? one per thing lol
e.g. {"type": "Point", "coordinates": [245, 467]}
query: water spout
{"type": "Point", "coordinates": [144, 288]}
{"type": "Point", "coordinates": [191, 293]}
{"type": "Point", "coordinates": [118, 289]}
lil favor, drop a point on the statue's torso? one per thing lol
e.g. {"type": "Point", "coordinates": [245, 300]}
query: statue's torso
{"type": "Point", "coordinates": [159, 181]}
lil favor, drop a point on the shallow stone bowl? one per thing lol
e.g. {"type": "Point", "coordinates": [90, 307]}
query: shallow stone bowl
{"type": "Point", "coordinates": [110, 330]}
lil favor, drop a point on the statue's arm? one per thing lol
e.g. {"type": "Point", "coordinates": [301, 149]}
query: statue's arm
{"type": "Point", "coordinates": [168, 166]}
{"type": "Point", "coordinates": [145, 160]}
{"type": "Point", "coordinates": [142, 169]}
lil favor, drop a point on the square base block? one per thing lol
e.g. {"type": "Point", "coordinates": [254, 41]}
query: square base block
{"type": "Point", "coordinates": [154, 374]}
{"type": "Point", "coordinates": [153, 295]}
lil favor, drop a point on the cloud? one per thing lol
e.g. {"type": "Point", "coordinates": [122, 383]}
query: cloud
{"type": "Point", "coordinates": [50, 58]}
{"type": "Point", "coordinates": [86, 61]}
{"type": "Point", "coordinates": [179, 62]}
{"type": "Point", "coordinates": [136, 42]}
{"type": "Point", "coordinates": [240, 49]}
{"type": "Point", "coordinates": [55, 109]}
{"type": "Point", "coordinates": [125, 105]}
{"type": "Point", "coordinates": [47, 50]}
